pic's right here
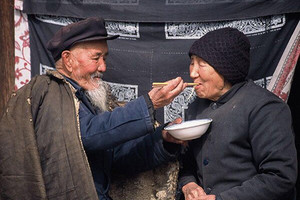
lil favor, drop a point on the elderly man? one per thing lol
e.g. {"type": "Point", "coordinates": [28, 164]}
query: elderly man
{"type": "Point", "coordinates": [62, 133]}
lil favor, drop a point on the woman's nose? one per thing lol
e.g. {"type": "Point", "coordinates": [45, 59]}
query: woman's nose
{"type": "Point", "coordinates": [193, 72]}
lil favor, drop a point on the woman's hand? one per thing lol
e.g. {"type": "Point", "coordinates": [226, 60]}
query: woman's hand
{"type": "Point", "coordinates": [205, 197]}
{"type": "Point", "coordinates": [192, 191]}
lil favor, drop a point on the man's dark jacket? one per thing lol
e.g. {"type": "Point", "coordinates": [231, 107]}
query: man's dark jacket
{"type": "Point", "coordinates": [23, 153]}
{"type": "Point", "coordinates": [45, 153]}
{"type": "Point", "coordinates": [123, 139]}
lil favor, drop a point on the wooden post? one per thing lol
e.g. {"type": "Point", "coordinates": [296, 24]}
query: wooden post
{"type": "Point", "coordinates": [7, 58]}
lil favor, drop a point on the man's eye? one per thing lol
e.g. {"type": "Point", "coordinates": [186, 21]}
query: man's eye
{"type": "Point", "coordinates": [96, 58]}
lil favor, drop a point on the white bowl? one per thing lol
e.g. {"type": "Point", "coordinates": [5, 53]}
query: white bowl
{"type": "Point", "coordinates": [189, 130]}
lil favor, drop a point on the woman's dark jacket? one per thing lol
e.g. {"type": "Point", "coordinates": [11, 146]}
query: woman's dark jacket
{"type": "Point", "coordinates": [248, 152]}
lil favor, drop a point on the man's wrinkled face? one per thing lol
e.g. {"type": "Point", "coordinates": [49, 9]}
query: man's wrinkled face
{"type": "Point", "coordinates": [88, 63]}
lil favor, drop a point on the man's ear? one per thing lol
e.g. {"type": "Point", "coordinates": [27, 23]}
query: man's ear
{"type": "Point", "coordinates": [67, 60]}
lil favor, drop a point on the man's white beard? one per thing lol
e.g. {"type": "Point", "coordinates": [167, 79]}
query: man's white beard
{"type": "Point", "coordinates": [98, 96]}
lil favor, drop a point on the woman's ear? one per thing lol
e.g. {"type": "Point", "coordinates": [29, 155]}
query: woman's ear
{"type": "Point", "coordinates": [67, 60]}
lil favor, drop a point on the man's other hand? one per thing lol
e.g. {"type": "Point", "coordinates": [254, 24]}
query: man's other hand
{"type": "Point", "coordinates": [169, 138]}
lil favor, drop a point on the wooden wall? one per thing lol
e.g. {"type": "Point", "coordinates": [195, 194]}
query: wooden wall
{"type": "Point", "coordinates": [7, 69]}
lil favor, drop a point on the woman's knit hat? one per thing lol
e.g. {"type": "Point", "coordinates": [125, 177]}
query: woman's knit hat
{"type": "Point", "coordinates": [227, 50]}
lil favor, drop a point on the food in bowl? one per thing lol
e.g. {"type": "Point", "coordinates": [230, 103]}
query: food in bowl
{"type": "Point", "coordinates": [189, 130]}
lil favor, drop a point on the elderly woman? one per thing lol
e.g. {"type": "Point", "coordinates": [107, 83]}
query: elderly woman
{"type": "Point", "coordinates": [248, 152]}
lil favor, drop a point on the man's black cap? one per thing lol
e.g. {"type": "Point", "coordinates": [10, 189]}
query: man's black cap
{"type": "Point", "coordinates": [85, 30]}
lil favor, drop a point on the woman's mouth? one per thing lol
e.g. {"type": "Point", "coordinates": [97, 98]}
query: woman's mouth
{"type": "Point", "coordinates": [198, 84]}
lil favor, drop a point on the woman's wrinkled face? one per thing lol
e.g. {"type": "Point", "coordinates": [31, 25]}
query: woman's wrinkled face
{"type": "Point", "coordinates": [211, 83]}
{"type": "Point", "coordinates": [89, 63]}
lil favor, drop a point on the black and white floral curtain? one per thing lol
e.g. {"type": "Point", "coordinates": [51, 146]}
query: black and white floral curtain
{"type": "Point", "coordinates": [156, 36]}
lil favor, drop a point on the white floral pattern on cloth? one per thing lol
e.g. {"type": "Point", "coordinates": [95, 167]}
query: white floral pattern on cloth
{"type": "Point", "coordinates": [22, 47]}
{"type": "Point", "coordinates": [281, 81]}
{"type": "Point", "coordinates": [19, 4]}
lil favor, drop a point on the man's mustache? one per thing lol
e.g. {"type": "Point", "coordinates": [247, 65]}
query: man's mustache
{"type": "Point", "coordinates": [97, 75]}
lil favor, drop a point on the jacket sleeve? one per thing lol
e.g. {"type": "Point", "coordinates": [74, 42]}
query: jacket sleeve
{"type": "Point", "coordinates": [187, 172]}
{"type": "Point", "coordinates": [109, 129]}
{"type": "Point", "coordinates": [274, 155]}
{"type": "Point", "coordinates": [147, 152]}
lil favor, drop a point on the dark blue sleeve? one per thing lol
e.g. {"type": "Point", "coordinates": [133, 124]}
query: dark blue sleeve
{"type": "Point", "coordinates": [109, 129]}
{"type": "Point", "coordinates": [143, 153]}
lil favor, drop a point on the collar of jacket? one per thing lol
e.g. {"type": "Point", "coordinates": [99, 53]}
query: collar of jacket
{"type": "Point", "coordinates": [55, 74]}
{"type": "Point", "coordinates": [79, 91]}
{"type": "Point", "coordinates": [228, 95]}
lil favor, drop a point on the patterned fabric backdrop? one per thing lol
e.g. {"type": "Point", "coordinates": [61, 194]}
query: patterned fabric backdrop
{"type": "Point", "coordinates": [162, 10]}
{"type": "Point", "coordinates": [22, 47]}
{"type": "Point", "coordinates": [155, 37]}
{"type": "Point", "coordinates": [151, 51]}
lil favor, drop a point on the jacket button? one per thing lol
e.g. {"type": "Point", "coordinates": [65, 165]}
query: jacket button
{"type": "Point", "coordinates": [208, 190]}
{"type": "Point", "coordinates": [205, 162]}
{"type": "Point", "coordinates": [214, 106]}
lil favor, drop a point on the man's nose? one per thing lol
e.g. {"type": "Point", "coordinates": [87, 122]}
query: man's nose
{"type": "Point", "coordinates": [102, 65]}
